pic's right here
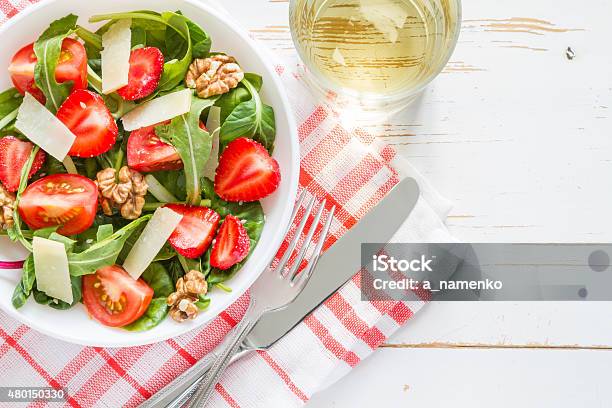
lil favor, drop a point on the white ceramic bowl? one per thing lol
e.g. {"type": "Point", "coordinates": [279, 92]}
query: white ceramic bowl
{"type": "Point", "coordinates": [74, 325]}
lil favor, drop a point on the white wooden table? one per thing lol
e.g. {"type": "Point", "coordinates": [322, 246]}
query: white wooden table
{"type": "Point", "coordinates": [519, 136]}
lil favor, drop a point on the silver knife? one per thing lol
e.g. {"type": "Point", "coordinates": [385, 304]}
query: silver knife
{"type": "Point", "coordinates": [336, 266]}
{"type": "Point", "coordinates": [340, 262]}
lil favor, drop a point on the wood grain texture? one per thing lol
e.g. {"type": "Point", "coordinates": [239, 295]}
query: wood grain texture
{"type": "Point", "coordinates": [517, 132]}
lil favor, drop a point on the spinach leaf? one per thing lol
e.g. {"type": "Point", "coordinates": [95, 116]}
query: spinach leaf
{"type": "Point", "coordinates": [166, 253]}
{"type": "Point", "coordinates": [158, 279]}
{"type": "Point", "coordinates": [24, 287]}
{"type": "Point", "coordinates": [47, 49]}
{"type": "Point", "coordinates": [77, 295]}
{"type": "Point", "coordinates": [103, 253]}
{"type": "Point", "coordinates": [175, 270]}
{"type": "Point", "coordinates": [175, 68]}
{"type": "Point", "coordinates": [253, 215]}
{"type": "Point", "coordinates": [139, 37]}
{"type": "Point", "coordinates": [192, 143]}
{"type": "Point", "coordinates": [254, 79]}
{"type": "Point", "coordinates": [252, 119]}
{"type": "Point", "coordinates": [10, 100]}
{"type": "Point", "coordinates": [203, 302]}
{"type": "Point", "coordinates": [200, 41]}
{"type": "Point", "coordinates": [155, 314]}
{"type": "Point", "coordinates": [230, 100]}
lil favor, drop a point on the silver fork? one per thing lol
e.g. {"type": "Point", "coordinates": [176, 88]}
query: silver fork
{"type": "Point", "coordinates": [275, 289]}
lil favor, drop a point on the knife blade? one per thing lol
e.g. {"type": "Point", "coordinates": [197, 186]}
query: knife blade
{"type": "Point", "coordinates": [336, 266]}
{"type": "Point", "coordinates": [339, 263]}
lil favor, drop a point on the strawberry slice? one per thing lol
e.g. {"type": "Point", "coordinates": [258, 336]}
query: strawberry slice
{"type": "Point", "coordinates": [146, 66]}
{"type": "Point", "coordinates": [246, 172]}
{"type": "Point", "coordinates": [14, 154]}
{"type": "Point", "coordinates": [231, 245]}
{"type": "Point", "coordinates": [195, 232]}
{"type": "Point", "coordinates": [86, 115]}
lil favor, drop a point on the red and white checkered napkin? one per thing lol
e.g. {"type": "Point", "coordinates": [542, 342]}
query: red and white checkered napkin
{"type": "Point", "coordinates": [354, 172]}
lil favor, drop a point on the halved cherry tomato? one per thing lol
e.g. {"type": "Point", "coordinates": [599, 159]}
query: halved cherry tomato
{"type": "Point", "coordinates": [86, 115]}
{"type": "Point", "coordinates": [147, 153]}
{"type": "Point", "coordinates": [71, 66]}
{"type": "Point", "coordinates": [68, 200]}
{"type": "Point", "coordinates": [114, 298]}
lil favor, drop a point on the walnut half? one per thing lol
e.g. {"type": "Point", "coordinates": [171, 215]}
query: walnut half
{"type": "Point", "coordinates": [126, 192]}
{"type": "Point", "coordinates": [183, 302]}
{"type": "Point", "coordinates": [7, 205]}
{"type": "Point", "coordinates": [215, 75]}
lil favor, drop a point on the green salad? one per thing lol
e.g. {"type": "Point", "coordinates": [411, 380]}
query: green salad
{"type": "Point", "coordinates": [132, 162]}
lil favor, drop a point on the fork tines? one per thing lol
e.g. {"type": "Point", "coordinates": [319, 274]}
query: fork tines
{"type": "Point", "coordinates": [308, 247]}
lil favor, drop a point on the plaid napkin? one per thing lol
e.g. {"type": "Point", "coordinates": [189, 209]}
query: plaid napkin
{"type": "Point", "coordinates": [354, 172]}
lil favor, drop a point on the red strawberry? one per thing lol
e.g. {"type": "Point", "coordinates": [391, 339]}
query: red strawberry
{"type": "Point", "coordinates": [195, 232]}
{"type": "Point", "coordinates": [14, 154]}
{"type": "Point", "coordinates": [86, 115]}
{"type": "Point", "coordinates": [146, 66]}
{"type": "Point", "coordinates": [246, 172]}
{"type": "Point", "coordinates": [231, 245]}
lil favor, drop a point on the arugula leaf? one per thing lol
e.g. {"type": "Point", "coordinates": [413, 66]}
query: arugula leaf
{"type": "Point", "coordinates": [24, 287]}
{"type": "Point", "coordinates": [92, 42]}
{"type": "Point", "coordinates": [10, 100]}
{"type": "Point", "coordinates": [167, 252]}
{"type": "Point", "coordinates": [68, 243]}
{"type": "Point", "coordinates": [192, 143]}
{"type": "Point", "coordinates": [15, 233]}
{"type": "Point", "coordinates": [103, 253]}
{"type": "Point", "coordinates": [104, 231]}
{"type": "Point", "coordinates": [253, 215]}
{"type": "Point", "coordinates": [252, 119]}
{"type": "Point", "coordinates": [47, 49]}
{"type": "Point", "coordinates": [155, 314]}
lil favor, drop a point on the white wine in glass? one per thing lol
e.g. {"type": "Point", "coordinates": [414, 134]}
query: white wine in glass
{"type": "Point", "coordinates": [375, 55]}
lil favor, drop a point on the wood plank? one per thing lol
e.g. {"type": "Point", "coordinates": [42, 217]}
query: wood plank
{"type": "Point", "coordinates": [474, 378]}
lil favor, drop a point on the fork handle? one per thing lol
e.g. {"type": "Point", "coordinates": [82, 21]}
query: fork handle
{"type": "Point", "coordinates": [206, 387]}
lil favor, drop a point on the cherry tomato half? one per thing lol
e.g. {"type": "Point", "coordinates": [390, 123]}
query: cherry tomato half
{"type": "Point", "coordinates": [114, 298]}
{"type": "Point", "coordinates": [68, 200]}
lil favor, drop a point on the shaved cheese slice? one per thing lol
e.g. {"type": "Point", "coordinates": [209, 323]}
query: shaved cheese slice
{"type": "Point", "coordinates": [151, 241]}
{"type": "Point", "coordinates": [158, 110]}
{"type": "Point", "coordinates": [117, 46]}
{"type": "Point", "coordinates": [51, 269]}
{"type": "Point", "coordinates": [43, 128]}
